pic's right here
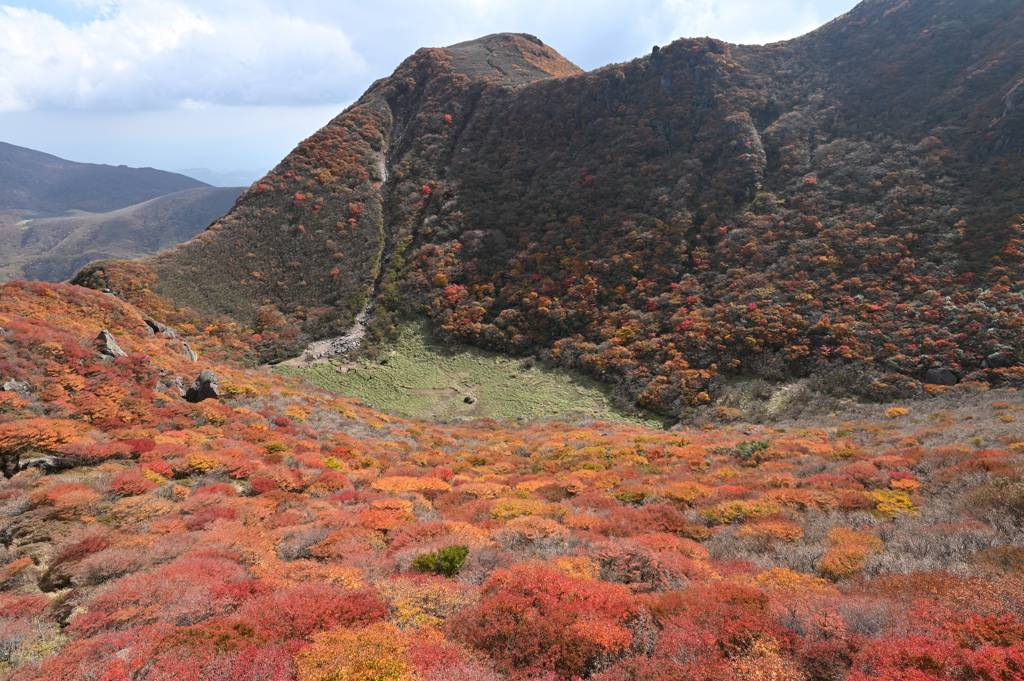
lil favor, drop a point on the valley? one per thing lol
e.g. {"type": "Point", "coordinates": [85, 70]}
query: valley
{"type": "Point", "coordinates": [420, 379]}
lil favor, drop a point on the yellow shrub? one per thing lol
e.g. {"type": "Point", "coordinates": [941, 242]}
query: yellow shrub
{"type": "Point", "coordinates": [579, 567]}
{"type": "Point", "coordinates": [417, 603]}
{"type": "Point", "coordinates": [843, 561]}
{"type": "Point", "coordinates": [376, 653]}
{"type": "Point", "coordinates": [848, 553]}
{"type": "Point", "coordinates": [201, 463]}
{"type": "Point", "coordinates": [890, 502]}
{"type": "Point", "coordinates": [506, 509]}
{"type": "Point", "coordinates": [397, 484]}
{"type": "Point", "coordinates": [297, 413]}
{"type": "Point", "coordinates": [844, 535]}
{"type": "Point", "coordinates": [685, 492]}
{"type": "Point", "coordinates": [896, 412]}
{"type": "Point", "coordinates": [153, 476]}
{"type": "Point", "coordinates": [905, 485]}
{"type": "Point", "coordinates": [331, 462]}
{"type": "Point", "coordinates": [730, 511]}
{"type": "Point", "coordinates": [786, 579]}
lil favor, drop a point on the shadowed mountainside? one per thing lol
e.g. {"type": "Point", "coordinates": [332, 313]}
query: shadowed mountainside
{"type": "Point", "coordinates": [53, 249]}
{"type": "Point", "coordinates": [44, 184]}
{"type": "Point", "coordinates": [850, 197]}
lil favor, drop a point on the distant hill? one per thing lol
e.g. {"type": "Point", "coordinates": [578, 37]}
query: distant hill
{"type": "Point", "coordinates": [44, 184]}
{"type": "Point", "coordinates": [53, 249]}
{"type": "Point", "coordinates": [851, 197]}
{"type": "Point", "coordinates": [235, 178]}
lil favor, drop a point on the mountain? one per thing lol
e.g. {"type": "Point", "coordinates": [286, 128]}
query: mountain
{"type": "Point", "coordinates": [53, 249]}
{"type": "Point", "coordinates": [44, 184]}
{"type": "Point", "coordinates": [851, 198]}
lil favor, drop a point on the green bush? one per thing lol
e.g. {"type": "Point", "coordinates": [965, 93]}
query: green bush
{"type": "Point", "coordinates": [447, 561]}
{"type": "Point", "coordinates": [749, 448]}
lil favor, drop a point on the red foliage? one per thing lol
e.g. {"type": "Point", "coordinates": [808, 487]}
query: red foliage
{"type": "Point", "coordinates": [172, 593]}
{"type": "Point", "coordinates": [139, 446]}
{"type": "Point", "coordinates": [86, 547]}
{"type": "Point", "coordinates": [533, 619]}
{"type": "Point", "coordinates": [300, 611]}
{"type": "Point", "coordinates": [131, 483]}
{"type": "Point", "coordinates": [210, 514]}
{"type": "Point", "coordinates": [221, 488]}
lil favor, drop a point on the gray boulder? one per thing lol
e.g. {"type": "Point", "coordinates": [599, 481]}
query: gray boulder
{"type": "Point", "coordinates": [23, 389]}
{"type": "Point", "coordinates": [107, 346]}
{"type": "Point", "coordinates": [161, 329]}
{"type": "Point", "coordinates": [172, 384]}
{"type": "Point", "coordinates": [187, 350]}
{"type": "Point", "coordinates": [47, 464]}
{"type": "Point", "coordinates": [940, 377]}
{"type": "Point", "coordinates": [155, 326]}
{"type": "Point", "coordinates": [205, 387]}
{"type": "Point", "coordinates": [9, 463]}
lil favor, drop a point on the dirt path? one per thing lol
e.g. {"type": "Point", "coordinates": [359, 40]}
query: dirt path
{"type": "Point", "coordinates": [322, 350]}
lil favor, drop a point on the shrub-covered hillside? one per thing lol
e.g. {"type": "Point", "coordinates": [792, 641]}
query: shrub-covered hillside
{"type": "Point", "coordinates": [706, 210]}
{"type": "Point", "coordinates": [276, 533]}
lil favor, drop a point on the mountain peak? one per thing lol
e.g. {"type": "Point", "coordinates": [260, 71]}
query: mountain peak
{"type": "Point", "coordinates": [511, 58]}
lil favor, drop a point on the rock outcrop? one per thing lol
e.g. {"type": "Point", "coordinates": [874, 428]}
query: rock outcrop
{"type": "Point", "coordinates": [205, 387]}
{"type": "Point", "coordinates": [107, 346]}
{"type": "Point", "coordinates": [23, 388]}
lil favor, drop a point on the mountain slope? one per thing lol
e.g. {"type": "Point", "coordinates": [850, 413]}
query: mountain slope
{"type": "Point", "coordinates": [850, 196]}
{"type": "Point", "coordinates": [53, 249]}
{"type": "Point", "coordinates": [40, 183]}
{"type": "Point", "coordinates": [269, 532]}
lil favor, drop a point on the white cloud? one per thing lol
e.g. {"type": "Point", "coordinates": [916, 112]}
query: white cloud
{"type": "Point", "coordinates": [161, 53]}
{"type": "Point", "coordinates": [750, 21]}
{"type": "Point", "coordinates": [228, 84]}
{"type": "Point", "coordinates": [147, 54]}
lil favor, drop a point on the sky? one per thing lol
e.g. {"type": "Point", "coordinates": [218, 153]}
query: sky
{"type": "Point", "coordinates": [234, 85]}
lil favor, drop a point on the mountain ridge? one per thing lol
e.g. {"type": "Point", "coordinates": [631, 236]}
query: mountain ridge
{"type": "Point", "coordinates": [849, 196]}
{"type": "Point", "coordinates": [53, 249]}
{"type": "Point", "coordinates": [42, 183]}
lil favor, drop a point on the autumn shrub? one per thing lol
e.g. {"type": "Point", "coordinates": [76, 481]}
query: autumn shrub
{"type": "Point", "coordinates": [171, 593]}
{"type": "Point", "coordinates": [374, 653]}
{"type": "Point", "coordinates": [208, 515]}
{"type": "Point", "coordinates": [533, 619]}
{"type": "Point", "coordinates": [848, 553]}
{"type": "Point", "coordinates": [771, 528]}
{"type": "Point", "coordinates": [299, 611]}
{"type": "Point", "coordinates": [131, 483]}
{"type": "Point", "coordinates": [425, 600]}
{"type": "Point", "coordinates": [103, 566]}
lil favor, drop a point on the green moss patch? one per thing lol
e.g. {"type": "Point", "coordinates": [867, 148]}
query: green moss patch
{"type": "Point", "coordinates": [417, 378]}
